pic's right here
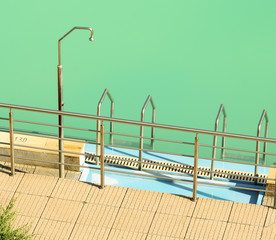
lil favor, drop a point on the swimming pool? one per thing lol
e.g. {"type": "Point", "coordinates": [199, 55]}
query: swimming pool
{"type": "Point", "coordinates": [149, 181]}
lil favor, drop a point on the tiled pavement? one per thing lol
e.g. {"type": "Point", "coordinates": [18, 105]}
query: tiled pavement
{"type": "Point", "coordinates": [68, 209]}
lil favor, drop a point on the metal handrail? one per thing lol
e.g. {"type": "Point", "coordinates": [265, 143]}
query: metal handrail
{"type": "Point", "coordinates": [141, 145]}
{"type": "Point", "coordinates": [106, 92]}
{"type": "Point", "coordinates": [141, 124]}
{"type": "Point", "coordinates": [221, 110]}
{"type": "Point", "coordinates": [257, 158]}
{"type": "Point", "coordinates": [138, 123]}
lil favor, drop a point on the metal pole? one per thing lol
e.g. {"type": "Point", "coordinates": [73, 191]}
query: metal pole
{"type": "Point", "coordinates": [11, 142]}
{"type": "Point", "coordinates": [141, 145]}
{"type": "Point", "coordinates": [213, 157]}
{"type": "Point", "coordinates": [153, 129]}
{"type": "Point", "coordinates": [102, 155]}
{"type": "Point", "coordinates": [98, 142]}
{"type": "Point", "coordinates": [223, 138]}
{"type": "Point", "coordinates": [60, 123]}
{"type": "Point", "coordinates": [265, 143]}
{"type": "Point", "coordinates": [195, 169]}
{"type": "Point", "coordinates": [111, 123]}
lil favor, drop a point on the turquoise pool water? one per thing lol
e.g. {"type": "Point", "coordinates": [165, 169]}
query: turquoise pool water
{"type": "Point", "coordinates": [149, 182]}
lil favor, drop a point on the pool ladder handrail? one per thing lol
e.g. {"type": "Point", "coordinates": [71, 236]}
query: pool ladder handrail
{"type": "Point", "coordinates": [141, 145]}
{"type": "Point", "coordinates": [106, 92]}
{"type": "Point", "coordinates": [257, 157]}
{"type": "Point", "coordinates": [221, 110]}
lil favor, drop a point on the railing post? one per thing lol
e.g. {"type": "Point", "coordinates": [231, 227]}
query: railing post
{"type": "Point", "coordinates": [213, 157]}
{"type": "Point", "coordinates": [195, 169]}
{"type": "Point", "coordinates": [11, 142]}
{"type": "Point", "coordinates": [141, 146]}
{"type": "Point", "coordinates": [257, 161]}
{"type": "Point", "coordinates": [98, 142]}
{"type": "Point", "coordinates": [61, 146]}
{"type": "Point", "coordinates": [102, 155]}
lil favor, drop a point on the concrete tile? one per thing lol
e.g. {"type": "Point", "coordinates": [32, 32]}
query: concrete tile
{"type": "Point", "coordinates": [62, 210]}
{"type": "Point", "coordinates": [83, 232]}
{"type": "Point", "coordinates": [98, 215]}
{"type": "Point", "coordinates": [271, 218]}
{"type": "Point", "coordinates": [5, 198]}
{"type": "Point", "coordinates": [116, 234]}
{"type": "Point", "coordinates": [205, 229]}
{"type": "Point", "coordinates": [110, 195]}
{"type": "Point", "coordinates": [71, 190]}
{"type": "Point", "coordinates": [133, 220]}
{"type": "Point", "coordinates": [49, 229]}
{"type": "Point", "coordinates": [10, 183]}
{"type": "Point", "coordinates": [37, 185]}
{"type": "Point", "coordinates": [213, 209]}
{"type": "Point", "coordinates": [248, 214]}
{"type": "Point", "coordinates": [176, 205]}
{"type": "Point", "coordinates": [158, 237]}
{"type": "Point", "coordinates": [27, 221]}
{"type": "Point", "coordinates": [242, 231]}
{"type": "Point", "coordinates": [269, 233]}
{"type": "Point", "coordinates": [169, 225]}
{"type": "Point", "coordinates": [141, 199]}
{"type": "Point", "coordinates": [29, 205]}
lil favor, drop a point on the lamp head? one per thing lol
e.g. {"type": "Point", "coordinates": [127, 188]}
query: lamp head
{"type": "Point", "coordinates": [91, 38]}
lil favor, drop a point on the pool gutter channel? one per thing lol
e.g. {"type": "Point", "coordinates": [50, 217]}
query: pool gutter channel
{"type": "Point", "coordinates": [170, 167]}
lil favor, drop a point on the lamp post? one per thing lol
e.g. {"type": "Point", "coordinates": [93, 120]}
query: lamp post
{"type": "Point", "coordinates": [60, 101]}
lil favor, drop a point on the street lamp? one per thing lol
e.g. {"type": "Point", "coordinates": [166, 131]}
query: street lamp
{"type": "Point", "coordinates": [60, 101]}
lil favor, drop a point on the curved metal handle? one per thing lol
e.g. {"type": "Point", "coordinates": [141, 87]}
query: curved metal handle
{"type": "Point", "coordinates": [221, 110]}
{"type": "Point", "coordinates": [257, 158]}
{"type": "Point", "coordinates": [106, 92]}
{"type": "Point", "coordinates": [141, 145]}
{"type": "Point", "coordinates": [82, 28]}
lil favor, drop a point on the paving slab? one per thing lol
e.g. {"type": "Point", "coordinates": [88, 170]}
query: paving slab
{"type": "Point", "coordinates": [212, 209]}
{"type": "Point", "coordinates": [119, 234]}
{"type": "Point", "coordinates": [10, 183]}
{"type": "Point", "coordinates": [29, 222]}
{"type": "Point", "coordinates": [98, 215]}
{"type": "Point", "coordinates": [176, 205]}
{"type": "Point", "coordinates": [133, 220]}
{"type": "Point", "coordinates": [37, 185]}
{"type": "Point", "coordinates": [169, 225]}
{"type": "Point", "coordinates": [62, 210]}
{"type": "Point", "coordinates": [242, 231]}
{"type": "Point", "coordinates": [29, 205]}
{"type": "Point", "coordinates": [250, 214]}
{"type": "Point", "coordinates": [5, 198]}
{"type": "Point", "coordinates": [71, 190]}
{"type": "Point", "coordinates": [49, 229]}
{"type": "Point", "coordinates": [141, 199]}
{"type": "Point", "coordinates": [110, 195]}
{"type": "Point", "coordinates": [82, 232]}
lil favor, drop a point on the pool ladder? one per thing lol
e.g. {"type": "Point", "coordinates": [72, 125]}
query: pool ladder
{"type": "Point", "coordinates": [141, 143]}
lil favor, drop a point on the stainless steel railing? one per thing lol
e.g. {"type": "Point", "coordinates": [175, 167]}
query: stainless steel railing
{"type": "Point", "coordinates": [221, 110]}
{"type": "Point", "coordinates": [141, 145]}
{"type": "Point", "coordinates": [106, 92]}
{"type": "Point", "coordinates": [257, 158]}
{"type": "Point", "coordinates": [196, 145]}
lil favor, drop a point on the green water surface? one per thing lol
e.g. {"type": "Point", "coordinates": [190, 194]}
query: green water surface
{"type": "Point", "coordinates": [191, 56]}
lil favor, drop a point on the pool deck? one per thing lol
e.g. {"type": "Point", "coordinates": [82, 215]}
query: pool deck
{"type": "Point", "coordinates": [69, 209]}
